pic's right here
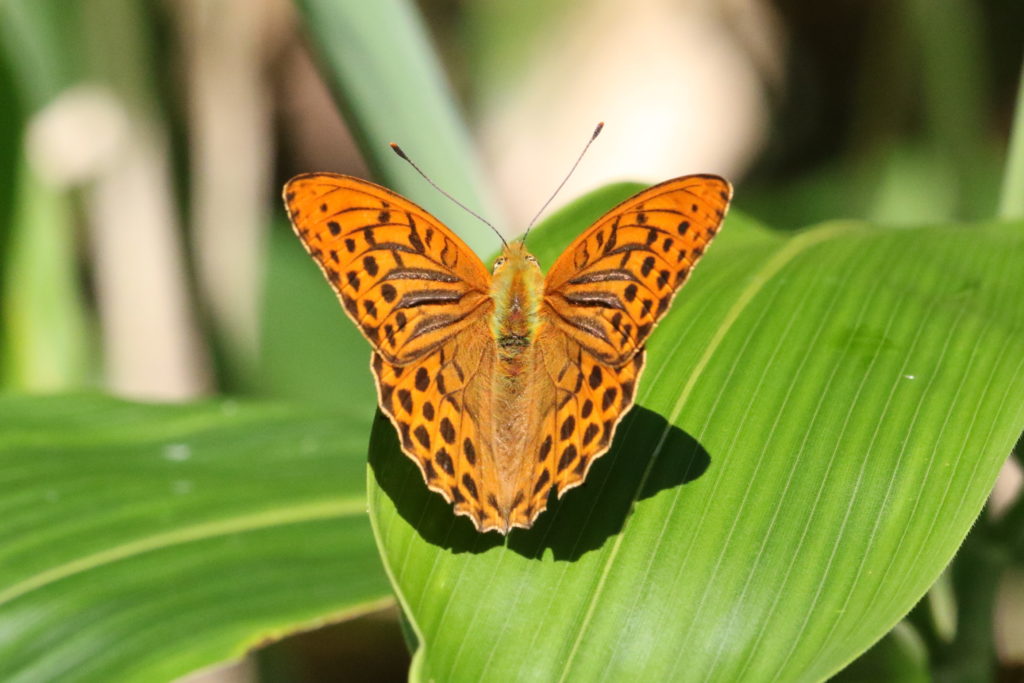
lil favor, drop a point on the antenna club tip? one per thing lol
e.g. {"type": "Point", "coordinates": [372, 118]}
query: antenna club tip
{"type": "Point", "coordinates": [398, 150]}
{"type": "Point", "coordinates": [597, 131]}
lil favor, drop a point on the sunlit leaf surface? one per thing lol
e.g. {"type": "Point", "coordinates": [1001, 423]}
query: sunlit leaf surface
{"type": "Point", "coordinates": [821, 418]}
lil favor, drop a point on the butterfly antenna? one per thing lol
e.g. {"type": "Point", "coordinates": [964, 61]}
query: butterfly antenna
{"type": "Point", "coordinates": [597, 131]}
{"type": "Point", "coordinates": [399, 152]}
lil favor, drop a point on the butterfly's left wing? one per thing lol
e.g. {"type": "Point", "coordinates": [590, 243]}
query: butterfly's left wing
{"type": "Point", "coordinates": [612, 285]}
{"type": "Point", "coordinates": [441, 406]}
{"type": "Point", "coordinates": [421, 297]}
{"type": "Point", "coordinates": [406, 280]}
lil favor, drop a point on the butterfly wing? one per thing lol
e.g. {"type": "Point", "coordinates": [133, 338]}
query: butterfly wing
{"type": "Point", "coordinates": [588, 400]}
{"type": "Point", "coordinates": [407, 281]}
{"type": "Point", "coordinates": [441, 406]}
{"type": "Point", "coordinates": [421, 297]}
{"type": "Point", "coordinates": [603, 296]}
{"type": "Point", "coordinates": [613, 284]}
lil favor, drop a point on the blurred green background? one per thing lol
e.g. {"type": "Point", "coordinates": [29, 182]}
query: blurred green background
{"type": "Point", "coordinates": [144, 252]}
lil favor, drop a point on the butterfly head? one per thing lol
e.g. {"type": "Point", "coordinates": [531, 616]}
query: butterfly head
{"type": "Point", "coordinates": [516, 261]}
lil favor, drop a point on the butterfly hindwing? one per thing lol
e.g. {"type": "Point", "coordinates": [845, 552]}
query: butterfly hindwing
{"type": "Point", "coordinates": [590, 399]}
{"type": "Point", "coordinates": [405, 279]}
{"type": "Point", "coordinates": [439, 407]}
{"type": "Point", "coordinates": [614, 283]}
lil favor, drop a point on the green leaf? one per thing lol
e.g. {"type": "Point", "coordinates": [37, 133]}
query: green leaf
{"type": "Point", "coordinates": [309, 350]}
{"type": "Point", "coordinates": [821, 418]}
{"type": "Point", "coordinates": [142, 542]}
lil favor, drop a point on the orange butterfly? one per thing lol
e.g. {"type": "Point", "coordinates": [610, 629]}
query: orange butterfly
{"type": "Point", "coordinates": [503, 386]}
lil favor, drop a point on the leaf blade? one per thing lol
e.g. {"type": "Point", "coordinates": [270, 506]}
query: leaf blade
{"type": "Point", "coordinates": [143, 542]}
{"type": "Point", "coordinates": [810, 462]}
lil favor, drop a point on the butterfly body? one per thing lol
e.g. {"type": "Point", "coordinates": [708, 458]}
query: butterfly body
{"type": "Point", "coordinates": [507, 413]}
{"type": "Point", "coordinates": [503, 386]}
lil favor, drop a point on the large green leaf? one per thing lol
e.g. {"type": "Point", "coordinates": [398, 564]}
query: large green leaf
{"type": "Point", "coordinates": [821, 418]}
{"type": "Point", "coordinates": [141, 542]}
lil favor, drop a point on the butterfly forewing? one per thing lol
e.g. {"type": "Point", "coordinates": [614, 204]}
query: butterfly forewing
{"type": "Point", "coordinates": [405, 279]}
{"type": "Point", "coordinates": [614, 283]}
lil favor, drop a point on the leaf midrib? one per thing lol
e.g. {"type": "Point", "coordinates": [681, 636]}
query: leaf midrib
{"type": "Point", "coordinates": [346, 507]}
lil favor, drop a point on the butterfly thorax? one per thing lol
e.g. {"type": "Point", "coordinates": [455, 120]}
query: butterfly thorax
{"type": "Point", "coordinates": [517, 290]}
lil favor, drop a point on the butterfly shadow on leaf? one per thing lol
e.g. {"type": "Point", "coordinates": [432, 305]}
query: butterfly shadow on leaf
{"type": "Point", "coordinates": [648, 455]}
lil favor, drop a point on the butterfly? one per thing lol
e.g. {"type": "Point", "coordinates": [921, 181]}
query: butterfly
{"type": "Point", "coordinates": [504, 385]}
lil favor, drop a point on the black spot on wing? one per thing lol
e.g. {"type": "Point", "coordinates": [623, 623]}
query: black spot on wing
{"type": "Point", "coordinates": [568, 427]}
{"type": "Point", "coordinates": [444, 461]}
{"type": "Point", "coordinates": [568, 455]}
{"type": "Point", "coordinates": [542, 481]}
{"type": "Point", "coordinates": [447, 430]}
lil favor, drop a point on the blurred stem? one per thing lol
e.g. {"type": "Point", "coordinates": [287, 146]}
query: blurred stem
{"type": "Point", "coordinates": [1009, 529]}
{"type": "Point", "coordinates": [942, 607]}
{"type": "Point", "coordinates": [227, 45]}
{"type": "Point", "coordinates": [390, 86]}
{"type": "Point", "coordinates": [152, 346]}
{"type": "Point", "coordinates": [11, 124]}
{"type": "Point", "coordinates": [977, 572]}
{"type": "Point", "coordinates": [955, 90]}
{"type": "Point", "coordinates": [1011, 201]}
{"type": "Point", "coordinates": [42, 314]}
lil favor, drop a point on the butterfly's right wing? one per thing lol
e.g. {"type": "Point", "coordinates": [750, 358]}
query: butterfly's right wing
{"type": "Point", "coordinates": [407, 281]}
{"type": "Point", "coordinates": [613, 284]}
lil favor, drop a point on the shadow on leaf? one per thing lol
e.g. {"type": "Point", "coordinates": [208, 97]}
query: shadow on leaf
{"type": "Point", "coordinates": [648, 455]}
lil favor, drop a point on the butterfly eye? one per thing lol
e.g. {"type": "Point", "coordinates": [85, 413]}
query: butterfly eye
{"type": "Point", "coordinates": [500, 262]}
{"type": "Point", "coordinates": [531, 258]}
